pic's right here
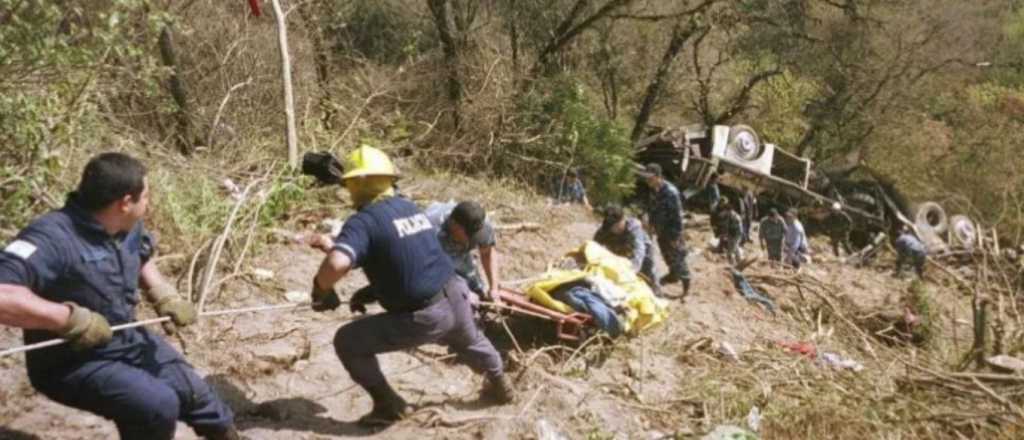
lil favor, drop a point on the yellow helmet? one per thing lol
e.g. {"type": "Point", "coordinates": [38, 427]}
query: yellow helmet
{"type": "Point", "coordinates": [368, 161]}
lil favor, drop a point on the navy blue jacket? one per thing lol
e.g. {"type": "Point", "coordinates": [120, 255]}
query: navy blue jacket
{"type": "Point", "coordinates": [66, 255]}
{"type": "Point", "coordinates": [396, 246]}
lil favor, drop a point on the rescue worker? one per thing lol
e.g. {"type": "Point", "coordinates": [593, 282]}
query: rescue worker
{"type": "Point", "coordinates": [714, 193]}
{"type": "Point", "coordinates": [908, 247]}
{"type": "Point", "coordinates": [73, 273]}
{"type": "Point", "coordinates": [424, 300]}
{"type": "Point", "coordinates": [731, 228]}
{"type": "Point", "coordinates": [625, 237]}
{"type": "Point", "coordinates": [573, 191]}
{"type": "Point", "coordinates": [795, 244]}
{"type": "Point", "coordinates": [839, 225]}
{"type": "Point", "coordinates": [666, 216]}
{"type": "Point", "coordinates": [772, 232]}
{"type": "Point", "coordinates": [749, 212]}
{"type": "Point", "coordinates": [461, 228]}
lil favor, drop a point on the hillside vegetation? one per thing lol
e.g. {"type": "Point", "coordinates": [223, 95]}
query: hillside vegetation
{"type": "Point", "coordinates": [928, 92]}
{"type": "Point", "coordinates": [497, 100]}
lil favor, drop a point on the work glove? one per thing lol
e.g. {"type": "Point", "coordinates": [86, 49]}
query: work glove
{"type": "Point", "coordinates": [324, 299]}
{"type": "Point", "coordinates": [168, 303]}
{"type": "Point", "coordinates": [362, 297]}
{"type": "Point", "coordinates": [181, 312]}
{"type": "Point", "coordinates": [85, 329]}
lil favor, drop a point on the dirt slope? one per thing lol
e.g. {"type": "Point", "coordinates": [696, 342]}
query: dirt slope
{"type": "Point", "coordinates": [280, 373]}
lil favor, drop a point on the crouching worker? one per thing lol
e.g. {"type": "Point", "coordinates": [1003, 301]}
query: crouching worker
{"type": "Point", "coordinates": [412, 279]}
{"type": "Point", "coordinates": [72, 274]}
{"type": "Point", "coordinates": [461, 228]}
{"type": "Point", "coordinates": [625, 237]}
{"type": "Point", "coordinates": [909, 248]}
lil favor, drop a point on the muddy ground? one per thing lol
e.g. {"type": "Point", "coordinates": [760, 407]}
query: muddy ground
{"type": "Point", "coordinates": [279, 372]}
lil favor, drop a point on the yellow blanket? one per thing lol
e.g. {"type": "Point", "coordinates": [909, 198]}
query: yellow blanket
{"type": "Point", "coordinates": [640, 309]}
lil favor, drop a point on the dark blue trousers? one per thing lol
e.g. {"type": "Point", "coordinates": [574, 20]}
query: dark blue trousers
{"type": "Point", "coordinates": [144, 393]}
{"type": "Point", "coordinates": [448, 322]}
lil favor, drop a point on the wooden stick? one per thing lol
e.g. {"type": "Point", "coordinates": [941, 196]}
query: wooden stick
{"type": "Point", "coordinates": [516, 227]}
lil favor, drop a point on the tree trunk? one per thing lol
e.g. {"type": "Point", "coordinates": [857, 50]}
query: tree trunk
{"type": "Point", "coordinates": [654, 90]}
{"type": "Point", "coordinates": [440, 11]}
{"type": "Point", "coordinates": [291, 136]}
{"type": "Point", "coordinates": [513, 37]}
{"type": "Point", "coordinates": [182, 117]}
{"type": "Point", "coordinates": [315, 34]}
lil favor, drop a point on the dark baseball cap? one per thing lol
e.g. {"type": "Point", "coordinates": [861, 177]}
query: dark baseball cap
{"type": "Point", "coordinates": [613, 214]}
{"type": "Point", "coordinates": [650, 170]}
{"type": "Point", "coordinates": [471, 216]}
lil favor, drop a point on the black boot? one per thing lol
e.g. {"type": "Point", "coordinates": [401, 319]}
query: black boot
{"type": "Point", "coordinates": [686, 287]}
{"type": "Point", "coordinates": [388, 407]}
{"type": "Point", "coordinates": [669, 279]}
{"type": "Point", "coordinates": [498, 390]}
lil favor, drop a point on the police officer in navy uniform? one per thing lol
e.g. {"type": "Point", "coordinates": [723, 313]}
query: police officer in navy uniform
{"type": "Point", "coordinates": [76, 271]}
{"type": "Point", "coordinates": [666, 215]}
{"type": "Point", "coordinates": [413, 280]}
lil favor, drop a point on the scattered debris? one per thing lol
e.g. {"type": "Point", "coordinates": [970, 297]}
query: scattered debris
{"type": "Point", "coordinates": [517, 227]}
{"type": "Point", "coordinates": [728, 352]}
{"type": "Point", "coordinates": [263, 274]}
{"type": "Point", "coordinates": [1004, 363]}
{"type": "Point", "coordinates": [545, 431]}
{"type": "Point", "coordinates": [839, 363]}
{"type": "Point", "coordinates": [805, 348]}
{"type": "Point", "coordinates": [295, 296]}
{"type": "Point", "coordinates": [233, 189]}
{"type": "Point", "coordinates": [749, 293]}
{"type": "Point", "coordinates": [754, 419]}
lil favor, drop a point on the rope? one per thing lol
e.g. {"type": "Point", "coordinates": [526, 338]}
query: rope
{"type": "Point", "coordinates": [59, 341]}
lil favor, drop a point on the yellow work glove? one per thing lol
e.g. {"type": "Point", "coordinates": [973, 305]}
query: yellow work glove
{"type": "Point", "coordinates": [85, 329]}
{"type": "Point", "coordinates": [167, 303]}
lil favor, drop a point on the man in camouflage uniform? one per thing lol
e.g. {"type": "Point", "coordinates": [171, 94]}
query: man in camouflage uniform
{"type": "Point", "coordinates": [666, 216]}
{"type": "Point", "coordinates": [749, 213]}
{"type": "Point", "coordinates": [731, 228]}
{"type": "Point", "coordinates": [625, 237]}
{"type": "Point", "coordinates": [839, 225]}
{"type": "Point", "coordinates": [772, 231]}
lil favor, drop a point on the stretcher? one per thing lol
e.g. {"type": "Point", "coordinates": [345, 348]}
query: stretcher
{"type": "Point", "coordinates": [568, 327]}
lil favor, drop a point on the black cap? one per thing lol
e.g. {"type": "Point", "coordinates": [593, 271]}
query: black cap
{"type": "Point", "coordinates": [651, 170]}
{"type": "Point", "coordinates": [613, 214]}
{"type": "Point", "coordinates": [471, 216]}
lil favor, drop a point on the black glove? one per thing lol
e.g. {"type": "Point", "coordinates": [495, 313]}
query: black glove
{"type": "Point", "coordinates": [324, 299]}
{"type": "Point", "coordinates": [362, 297]}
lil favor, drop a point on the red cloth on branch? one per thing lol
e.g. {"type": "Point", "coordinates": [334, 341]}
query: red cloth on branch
{"type": "Point", "coordinates": [255, 6]}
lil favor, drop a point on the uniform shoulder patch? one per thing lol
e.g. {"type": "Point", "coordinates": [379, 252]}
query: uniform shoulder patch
{"type": "Point", "coordinates": [21, 248]}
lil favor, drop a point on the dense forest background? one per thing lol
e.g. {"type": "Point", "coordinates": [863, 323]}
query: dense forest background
{"type": "Point", "coordinates": [927, 92]}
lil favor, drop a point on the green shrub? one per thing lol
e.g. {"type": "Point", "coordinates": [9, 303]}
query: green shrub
{"type": "Point", "coordinates": [570, 133]}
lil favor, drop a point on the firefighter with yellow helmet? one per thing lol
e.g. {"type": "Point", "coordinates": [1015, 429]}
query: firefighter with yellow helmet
{"type": "Point", "coordinates": [413, 280]}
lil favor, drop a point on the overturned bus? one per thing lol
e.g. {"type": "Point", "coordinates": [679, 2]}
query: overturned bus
{"type": "Point", "coordinates": [690, 155]}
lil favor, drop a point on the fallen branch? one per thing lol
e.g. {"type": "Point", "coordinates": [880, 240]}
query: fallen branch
{"type": "Point", "coordinates": [518, 227]}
